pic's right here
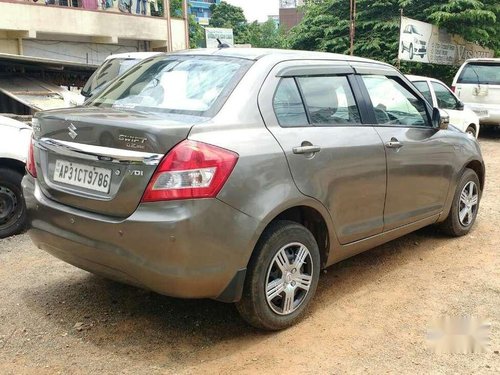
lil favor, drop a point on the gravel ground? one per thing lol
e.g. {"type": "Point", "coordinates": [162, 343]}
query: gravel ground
{"type": "Point", "coordinates": [370, 314]}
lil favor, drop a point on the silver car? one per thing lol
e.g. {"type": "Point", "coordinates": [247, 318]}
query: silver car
{"type": "Point", "coordinates": [238, 174]}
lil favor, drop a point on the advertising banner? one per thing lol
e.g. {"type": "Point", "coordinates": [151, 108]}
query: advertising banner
{"type": "Point", "coordinates": [214, 33]}
{"type": "Point", "coordinates": [426, 43]}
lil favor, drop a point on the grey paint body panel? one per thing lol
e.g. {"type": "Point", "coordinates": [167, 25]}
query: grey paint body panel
{"type": "Point", "coordinates": [200, 248]}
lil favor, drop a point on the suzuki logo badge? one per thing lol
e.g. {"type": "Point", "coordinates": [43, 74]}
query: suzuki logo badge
{"type": "Point", "coordinates": [72, 131]}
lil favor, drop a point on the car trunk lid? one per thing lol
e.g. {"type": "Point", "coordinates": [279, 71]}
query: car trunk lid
{"type": "Point", "coordinates": [101, 160]}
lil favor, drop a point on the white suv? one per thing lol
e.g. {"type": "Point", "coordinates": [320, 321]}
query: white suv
{"type": "Point", "coordinates": [440, 96]}
{"type": "Point", "coordinates": [477, 84]}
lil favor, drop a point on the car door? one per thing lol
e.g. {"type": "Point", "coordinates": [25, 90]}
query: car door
{"type": "Point", "coordinates": [446, 100]}
{"type": "Point", "coordinates": [310, 109]}
{"type": "Point", "coordinates": [423, 87]}
{"type": "Point", "coordinates": [419, 160]}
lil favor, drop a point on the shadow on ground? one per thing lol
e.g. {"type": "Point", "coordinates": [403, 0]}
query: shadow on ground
{"type": "Point", "coordinates": [133, 321]}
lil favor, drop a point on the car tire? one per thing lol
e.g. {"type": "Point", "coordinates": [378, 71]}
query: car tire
{"type": "Point", "coordinates": [471, 130]}
{"type": "Point", "coordinates": [286, 261]}
{"type": "Point", "coordinates": [466, 200]}
{"type": "Point", "coordinates": [410, 51]}
{"type": "Point", "coordinates": [12, 205]}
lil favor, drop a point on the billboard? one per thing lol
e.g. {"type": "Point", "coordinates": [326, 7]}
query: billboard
{"type": "Point", "coordinates": [214, 33]}
{"type": "Point", "coordinates": [423, 42]}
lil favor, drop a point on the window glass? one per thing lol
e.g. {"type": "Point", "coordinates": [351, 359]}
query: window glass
{"type": "Point", "coordinates": [394, 104]}
{"type": "Point", "coordinates": [288, 105]}
{"type": "Point", "coordinates": [444, 97]}
{"type": "Point", "coordinates": [480, 73]}
{"type": "Point", "coordinates": [423, 87]}
{"type": "Point", "coordinates": [109, 70]}
{"type": "Point", "coordinates": [187, 85]}
{"type": "Point", "coordinates": [329, 100]}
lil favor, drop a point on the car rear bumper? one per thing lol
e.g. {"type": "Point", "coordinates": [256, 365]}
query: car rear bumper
{"type": "Point", "coordinates": [177, 248]}
{"type": "Point", "coordinates": [489, 114]}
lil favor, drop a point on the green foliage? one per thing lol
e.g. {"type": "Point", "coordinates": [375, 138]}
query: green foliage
{"type": "Point", "coordinates": [229, 16]}
{"type": "Point", "coordinates": [196, 33]}
{"type": "Point", "coordinates": [176, 8]}
{"type": "Point", "coordinates": [265, 35]}
{"type": "Point", "coordinates": [325, 27]}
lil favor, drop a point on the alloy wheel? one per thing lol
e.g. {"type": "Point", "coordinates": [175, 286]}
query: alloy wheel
{"type": "Point", "coordinates": [289, 278]}
{"type": "Point", "coordinates": [467, 205]}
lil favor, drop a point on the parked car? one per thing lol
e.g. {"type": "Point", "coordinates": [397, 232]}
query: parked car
{"type": "Point", "coordinates": [238, 174]}
{"type": "Point", "coordinates": [413, 42]}
{"type": "Point", "coordinates": [440, 96]}
{"type": "Point", "coordinates": [477, 84]}
{"type": "Point", "coordinates": [14, 140]}
{"type": "Point", "coordinates": [112, 67]}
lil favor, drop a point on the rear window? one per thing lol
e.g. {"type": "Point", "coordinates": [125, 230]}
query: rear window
{"type": "Point", "coordinates": [195, 85]}
{"type": "Point", "coordinates": [109, 70]}
{"type": "Point", "coordinates": [482, 73]}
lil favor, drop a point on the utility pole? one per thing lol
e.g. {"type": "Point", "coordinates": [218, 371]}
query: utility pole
{"type": "Point", "coordinates": [400, 22]}
{"type": "Point", "coordinates": [352, 19]}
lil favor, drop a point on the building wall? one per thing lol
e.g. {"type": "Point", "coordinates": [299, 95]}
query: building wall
{"type": "Point", "coordinates": [77, 33]}
{"type": "Point", "coordinates": [201, 10]}
{"type": "Point", "coordinates": [289, 17]}
{"type": "Point", "coordinates": [77, 51]}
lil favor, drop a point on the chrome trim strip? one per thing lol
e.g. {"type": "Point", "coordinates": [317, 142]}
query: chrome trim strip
{"type": "Point", "coordinates": [95, 153]}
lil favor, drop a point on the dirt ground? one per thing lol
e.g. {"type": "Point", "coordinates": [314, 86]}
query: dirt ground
{"type": "Point", "coordinates": [370, 314]}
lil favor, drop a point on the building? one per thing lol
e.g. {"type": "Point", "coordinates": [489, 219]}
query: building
{"type": "Point", "coordinates": [290, 13]}
{"type": "Point", "coordinates": [86, 31]}
{"type": "Point", "coordinates": [201, 10]}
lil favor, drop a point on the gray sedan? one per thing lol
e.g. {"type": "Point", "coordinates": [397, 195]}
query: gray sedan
{"type": "Point", "coordinates": [238, 174]}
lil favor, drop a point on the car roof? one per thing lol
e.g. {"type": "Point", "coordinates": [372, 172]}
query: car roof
{"type": "Point", "coordinates": [133, 55]}
{"type": "Point", "coordinates": [414, 78]}
{"type": "Point", "coordinates": [483, 59]}
{"type": "Point", "coordinates": [258, 53]}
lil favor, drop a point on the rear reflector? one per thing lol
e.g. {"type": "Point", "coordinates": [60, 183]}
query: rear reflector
{"type": "Point", "coordinates": [30, 161]}
{"type": "Point", "coordinates": [191, 170]}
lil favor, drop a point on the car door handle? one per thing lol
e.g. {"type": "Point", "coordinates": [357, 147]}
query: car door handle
{"type": "Point", "coordinates": [306, 149]}
{"type": "Point", "coordinates": [394, 143]}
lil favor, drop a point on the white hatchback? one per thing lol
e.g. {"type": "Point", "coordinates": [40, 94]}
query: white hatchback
{"type": "Point", "coordinates": [440, 96]}
{"type": "Point", "coordinates": [15, 137]}
{"type": "Point", "coordinates": [477, 84]}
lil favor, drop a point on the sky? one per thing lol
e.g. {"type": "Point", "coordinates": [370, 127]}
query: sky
{"type": "Point", "coordinates": [257, 9]}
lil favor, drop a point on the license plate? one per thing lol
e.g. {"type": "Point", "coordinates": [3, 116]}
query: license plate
{"type": "Point", "coordinates": [481, 112]}
{"type": "Point", "coordinates": [81, 175]}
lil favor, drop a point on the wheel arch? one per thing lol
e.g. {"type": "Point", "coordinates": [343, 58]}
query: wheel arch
{"type": "Point", "coordinates": [477, 167]}
{"type": "Point", "coordinates": [310, 217]}
{"type": "Point", "coordinates": [13, 164]}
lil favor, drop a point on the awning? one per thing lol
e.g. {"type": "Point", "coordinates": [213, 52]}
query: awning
{"type": "Point", "coordinates": [35, 94]}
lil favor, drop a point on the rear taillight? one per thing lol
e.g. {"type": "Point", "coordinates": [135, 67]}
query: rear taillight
{"type": "Point", "coordinates": [453, 88]}
{"type": "Point", "coordinates": [30, 161]}
{"type": "Point", "coordinates": [190, 170]}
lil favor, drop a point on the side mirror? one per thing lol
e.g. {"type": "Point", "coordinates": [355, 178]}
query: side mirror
{"type": "Point", "coordinates": [460, 106]}
{"type": "Point", "coordinates": [85, 93]}
{"type": "Point", "coordinates": [440, 119]}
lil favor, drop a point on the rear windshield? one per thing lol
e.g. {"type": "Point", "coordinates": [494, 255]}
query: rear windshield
{"type": "Point", "coordinates": [109, 70]}
{"type": "Point", "coordinates": [194, 85]}
{"type": "Point", "coordinates": [482, 73]}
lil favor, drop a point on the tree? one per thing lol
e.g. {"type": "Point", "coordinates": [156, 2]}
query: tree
{"type": "Point", "coordinates": [229, 16]}
{"type": "Point", "coordinates": [176, 8]}
{"type": "Point", "coordinates": [325, 27]}
{"type": "Point", "coordinates": [196, 33]}
{"type": "Point", "coordinates": [266, 35]}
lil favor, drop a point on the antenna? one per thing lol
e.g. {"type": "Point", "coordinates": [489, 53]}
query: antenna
{"type": "Point", "coordinates": [222, 45]}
